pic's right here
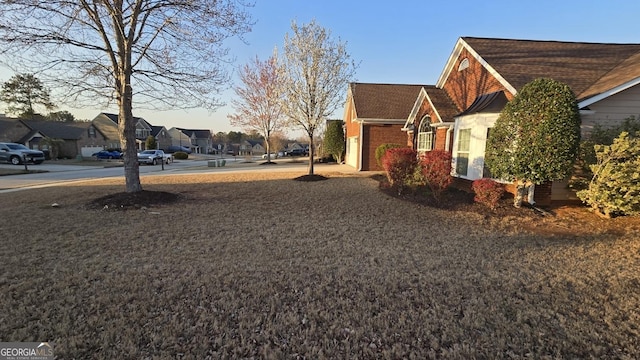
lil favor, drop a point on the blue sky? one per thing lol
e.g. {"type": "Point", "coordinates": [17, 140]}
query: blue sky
{"type": "Point", "coordinates": [409, 41]}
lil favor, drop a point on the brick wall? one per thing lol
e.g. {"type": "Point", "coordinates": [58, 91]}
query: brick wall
{"type": "Point", "coordinates": [464, 86]}
{"type": "Point", "coordinates": [375, 135]}
{"type": "Point", "coordinates": [541, 195]}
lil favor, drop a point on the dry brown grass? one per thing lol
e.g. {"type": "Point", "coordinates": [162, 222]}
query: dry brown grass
{"type": "Point", "coordinates": [263, 266]}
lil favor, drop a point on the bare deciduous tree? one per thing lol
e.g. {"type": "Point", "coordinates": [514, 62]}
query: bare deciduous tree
{"type": "Point", "coordinates": [258, 106]}
{"type": "Point", "coordinates": [317, 70]}
{"type": "Point", "coordinates": [165, 53]}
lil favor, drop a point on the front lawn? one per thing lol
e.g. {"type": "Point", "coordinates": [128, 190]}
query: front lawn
{"type": "Point", "coordinates": [264, 266]}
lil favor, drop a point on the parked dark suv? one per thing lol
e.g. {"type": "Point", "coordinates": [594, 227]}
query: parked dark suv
{"type": "Point", "coordinates": [296, 152]}
{"type": "Point", "coordinates": [17, 153]}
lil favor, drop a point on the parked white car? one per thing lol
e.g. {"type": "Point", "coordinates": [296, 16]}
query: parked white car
{"type": "Point", "coordinates": [153, 157]}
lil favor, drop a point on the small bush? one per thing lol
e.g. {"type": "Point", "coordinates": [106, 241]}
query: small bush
{"type": "Point", "coordinates": [400, 165]}
{"type": "Point", "coordinates": [436, 170]}
{"type": "Point", "coordinates": [180, 155]}
{"type": "Point", "coordinates": [488, 192]}
{"type": "Point", "coordinates": [380, 150]}
{"type": "Point", "coordinates": [615, 187]}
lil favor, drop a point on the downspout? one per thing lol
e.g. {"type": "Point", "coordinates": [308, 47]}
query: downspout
{"type": "Point", "coordinates": [360, 147]}
{"type": "Point", "coordinates": [532, 188]}
{"type": "Point", "coordinates": [447, 141]}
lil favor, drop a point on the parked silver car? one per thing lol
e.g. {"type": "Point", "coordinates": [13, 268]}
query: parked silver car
{"type": "Point", "coordinates": [17, 153]}
{"type": "Point", "coordinates": [153, 157]}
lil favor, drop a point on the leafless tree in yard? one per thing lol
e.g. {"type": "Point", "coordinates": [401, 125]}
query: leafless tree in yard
{"type": "Point", "coordinates": [318, 69]}
{"type": "Point", "coordinates": [163, 53]}
{"type": "Point", "coordinates": [258, 106]}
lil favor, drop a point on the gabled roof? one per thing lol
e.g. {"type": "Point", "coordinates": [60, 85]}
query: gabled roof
{"type": "Point", "coordinates": [58, 129]}
{"type": "Point", "coordinates": [7, 123]}
{"type": "Point", "coordinates": [115, 119]}
{"type": "Point", "coordinates": [383, 101]}
{"type": "Point", "coordinates": [106, 127]}
{"type": "Point", "coordinates": [588, 68]}
{"type": "Point", "coordinates": [197, 133]}
{"type": "Point", "coordinates": [155, 130]}
{"type": "Point", "coordinates": [440, 102]}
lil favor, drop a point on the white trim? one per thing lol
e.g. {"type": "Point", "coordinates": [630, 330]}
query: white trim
{"type": "Point", "coordinates": [443, 124]}
{"type": "Point", "coordinates": [379, 121]}
{"type": "Point", "coordinates": [461, 44]}
{"type": "Point", "coordinates": [359, 167]}
{"type": "Point", "coordinates": [416, 108]}
{"type": "Point", "coordinates": [611, 92]}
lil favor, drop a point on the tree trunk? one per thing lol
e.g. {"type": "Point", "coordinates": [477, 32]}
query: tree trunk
{"type": "Point", "coordinates": [522, 190]}
{"type": "Point", "coordinates": [127, 132]}
{"type": "Point", "coordinates": [267, 142]}
{"type": "Point", "coordinates": [519, 195]}
{"type": "Point", "coordinates": [311, 154]}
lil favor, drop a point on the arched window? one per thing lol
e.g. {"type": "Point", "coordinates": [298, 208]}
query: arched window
{"type": "Point", "coordinates": [463, 64]}
{"type": "Point", "coordinates": [425, 134]}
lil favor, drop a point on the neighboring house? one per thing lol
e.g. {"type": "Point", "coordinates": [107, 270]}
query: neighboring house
{"type": "Point", "coordinates": [375, 114]}
{"type": "Point", "coordinates": [161, 134]}
{"type": "Point", "coordinates": [479, 78]}
{"type": "Point", "coordinates": [200, 141]}
{"type": "Point", "coordinates": [256, 147]}
{"type": "Point", "coordinates": [75, 135]}
{"type": "Point", "coordinates": [12, 129]}
{"type": "Point", "coordinates": [103, 134]}
{"type": "Point", "coordinates": [143, 128]}
{"type": "Point", "coordinates": [251, 147]}
{"type": "Point", "coordinates": [31, 133]}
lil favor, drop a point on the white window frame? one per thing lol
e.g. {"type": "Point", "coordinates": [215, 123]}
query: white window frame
{"type": "Point", "coordinates": [463, 147]}
{"type": "Point", "coordinates": [425, 135]}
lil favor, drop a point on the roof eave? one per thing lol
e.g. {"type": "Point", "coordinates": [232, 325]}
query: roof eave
{"type": "Point", "coordinates": [379, 121]}
{"type": "Point", "coordinates": [461, 44]}
{"type": "Point", "coordinates": [599, 97]}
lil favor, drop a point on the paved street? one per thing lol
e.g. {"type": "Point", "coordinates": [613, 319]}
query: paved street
{"type": "Point", "coordinates": [57, 173]}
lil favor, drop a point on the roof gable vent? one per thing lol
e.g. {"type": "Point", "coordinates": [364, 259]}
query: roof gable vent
{"type": "Point", "coordinates": [463, 64]}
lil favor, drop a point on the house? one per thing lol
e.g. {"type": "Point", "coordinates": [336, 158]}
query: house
{"type": "Point", "coordinates": [143, 128]}
{"type": "Point", "coordinates": [161, 134]}
{"type": "Point", "coordinates": [375, 114]}
{"type": "Point", "coordinates": [482, 74]}
{"type": "Point", "coordinates": [103, 133]}
{"type": "Point", "coordinates": [251, 147]}
{"type": "Point", "coordinates": [479, 78]}
{"type": "Point", "coordinates": [74, 136]}
{"type": "Point", "coordinates": [12, 129]}
{"type": "Point", "coordinates": [31, 133]}
{"type": "Point", "coordinates": [200, 141]}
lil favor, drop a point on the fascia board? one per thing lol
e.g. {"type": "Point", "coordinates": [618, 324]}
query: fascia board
{"type": "Point", "coordinates": [606, 94]}
{"type": "Point", "coordinates": [461, 44]}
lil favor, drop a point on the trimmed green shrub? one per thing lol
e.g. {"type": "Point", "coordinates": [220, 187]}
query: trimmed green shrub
{"type": "Point", "coordinates": [536, 136]}
{"type": "Point", "coordinates": [334, 143]}
{"type": "Point", "coordinates": [487, 192]}
{"type": "Point", "coordinates": [400, 165]}
{"type": "Point", "coordinates": [436, 170]}
{"type": "Point", "coordinates": [180, 155]}
{"type": "Point", "coordinates": [599, 135]}
{"type": "Point", "coordinates": [615, 187]}
{"type": "Point", "coordinates": [380, 150]}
